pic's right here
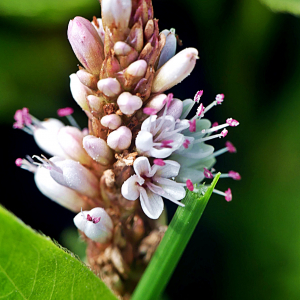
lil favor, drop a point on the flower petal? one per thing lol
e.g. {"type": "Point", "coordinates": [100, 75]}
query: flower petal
{"type": "Point", "coordinates": [130, 188]}
{"type": "Point", "coordinates": [141, 166]}
{"type": "Point", "coordinates": [170, 169]}
{"type": "Point", "coordinates": [152, 204]}
{"type": "Point", "coordinates": [172, 190]}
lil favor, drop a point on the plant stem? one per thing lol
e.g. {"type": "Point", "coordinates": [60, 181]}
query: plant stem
{"type": "Point", "coordinates": [168, 253]}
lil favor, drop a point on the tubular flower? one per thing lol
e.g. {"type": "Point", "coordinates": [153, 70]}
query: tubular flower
{"type": "Point", "coordinates": [141, 142]}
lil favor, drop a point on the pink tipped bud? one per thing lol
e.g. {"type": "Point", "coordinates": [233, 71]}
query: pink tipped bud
{"type": "Point", "coordinates": [230, 147]}
{"type": "Point", "coordinates": [198, 96]}
{"type": "Point", "coordinates": [116, 13]}
{"type": "Point", "coordinates": [234, 175]}
{"type": "Point", "coordinates": [19, 162]}
{"type": "Point", "coordinates": [110, 87]}
{"type": "Point", "coordinates": [224, 132]}
{"type": "Point", "coordinates": [86, 44]}
{"type": "Point", "coordinates": [94, 103]}
{"type": "Point", "coordinates": [157, 102]}
{"type": "Point", "coordinates": [175, 70]}
{"type": "Point", "coordinates": [207, 173]}
{"type": "Point", "coordinates": [137, 69]}
{"type": "Point", "coordinates": [122, 48]}
{"type": "Point", "coordinates": [79, 92]}
{"type": "Point", "coordinates": [96, 224]}
{"type": "Point", "coordinates": [128, 103]}
{"type": "Point", "coordinates": [192, 127]}
{"type": "Point", "coordinates": [200, 110]}
{"type": "Point", "coordinates": [120, 139]}
{"type": "Point", "coordinates": [232, 122]}
{"type": "Point", "coordinates": [159, 162]}
{"type": "Point", "coordinates": [189, 185]}
{"type": "Point", "coordinates": [220, 98]}
{"type": "Point", "coordinates": [228, 195]}
{"type": "Point", "coordinates": [112, 121]}
{"type": "Point", "coordinates": [63, 112]}
{"type": "Point", "coordinates": [149, 111]}
{"type": "Point", "coordinates": [97, 149]}
{"type": "Point", "coordinates": [70, 140]}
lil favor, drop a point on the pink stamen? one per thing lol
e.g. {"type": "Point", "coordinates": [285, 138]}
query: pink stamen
{"type": "Point", "coordinates": [63, 112]}
{"type": "Point", "coordinates": [230, 147]}
{"type": "Point", "coordinates": [159, 162]}
{"type": "Point", "coordinates": [168, 100]}
{"type": "Point", "coordinates": [189, 185]}
{"type": "Point", "coordinates": [192, 127]}
{"type": "Point", "coordinates": [19, 162]}
{"type": "Point", "coordinates": [149, 111]}
{"type": "Point", "coordinates": [186, 143]}
{"type": "Point", "coordinates": [220, 98]}
{"type": "Point", "coordinates": [89, 218]}
{"type": "Point", "coordinates": [232, 122]}
{"type": "Point", "coordinates": [166, 144]}
{"type": "Point", "coordinates": [234, 175]}
{"type": "Point", "coordinates": [200, 110]}
{"type": "Point", "coordinates": [22, 117]}
{"type": "Point", "coordinates": [224, 132]}
{"type": "Point", "coordinates": [228, 195]}
{"type": "Point", "coordinates": [96, 220]}
{"type": "Point", "coordinates": [198, 96]}
{"type": "Point", "coordinates": [207, 173]}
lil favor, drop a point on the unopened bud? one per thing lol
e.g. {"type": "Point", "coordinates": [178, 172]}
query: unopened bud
{"type": "Point", "coordinates": [175, 109]}
{"type": "Point", "coordinates": [97, 149]}
{"type": "Point", "coordinates": [46, 137]}
{"type": "Point", "coordinates": [97, 23]}
{"type": "Point", "coordinates": [96, 224]}
{"type": "Point", "coordinates": [56, 192]}
{"type": "Point", "coordinates": [128, 103]}
{"type": "Point", "coordinates": [94, 103]}
{"type": "Point", "coordinates": [73, 175]}
{"type": "Point", "coordinates": [116, 13]}
{"type": "Point", "coordinates": [70, 140]}
{"type": "Point", "coordinates": [86, 44]}
{"type": "Point", "coordinates": [169, 48]}
{"type": "Point", "coordinates": [79, 92]}
{"type": "Point", "coordinates": [122, 48]}
{"type": "Point", "coordinates": [87, 79]}
{"type": "Point", "coordinates": [112, 121]}
{"type": "Point", "coordinates": [137, 69]}
{"type": "Point", "coordinates": [110, 87]}
{"type": "Point", "coordinates": [175, 70]}
{"type": "Point", "coordinates": [157, 102]}
{"type": "Point", "coordinates": [119, 139]}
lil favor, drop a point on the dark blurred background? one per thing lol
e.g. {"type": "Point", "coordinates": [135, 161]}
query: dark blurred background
{"type": "Point", "coordinates": [246, 249]}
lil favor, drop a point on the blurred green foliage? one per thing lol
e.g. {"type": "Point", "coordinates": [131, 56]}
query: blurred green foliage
{"type": "Point", "coordinates": [250, 54]}
{"type": "Point", "coordinates": [291, 6]}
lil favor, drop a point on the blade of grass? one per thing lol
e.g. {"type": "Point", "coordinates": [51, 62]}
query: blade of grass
{"type": "Point", "coordinates": [172, 245]}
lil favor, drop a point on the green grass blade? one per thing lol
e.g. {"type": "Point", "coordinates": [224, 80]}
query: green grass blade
{"type": "Point", "coordinates": [172, 245]}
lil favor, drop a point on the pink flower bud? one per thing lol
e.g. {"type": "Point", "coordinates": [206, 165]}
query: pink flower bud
{"type": "Point", "coordinates": [94, 103]}
{"type": "Point", "coordinates": [157, 102]}
{"type": "Point", "coordinates": [73, 175]}
{"type": "Point", "coordinates": [79, 92]}
{"type": "Point", "coordinates": [70, 140]}
{"type": "Point", "coordinates": [116, 13]}
{"type": "Point", "coordinates": [112, 121]}
{"type": "Point", "coordinates": [122, 48]}
{"type": "Point", "coordinates": [128, 103]}
{"type": "Point", "coordinates": [110, 87]}
{"type": "Point", "coordinates": [56, 192]}
{"type": "Point", "coordinates": [97, 23]}
{"type": "Point", "coordinates": [119, 139]}
{"type": "Point", "coordinates": [97, 149]}
{"type": "Point", "coordinates": [87, 79]}
{"type": "Point", "coordinates": [86, 44]}
{"type": "Point", "coordinates": [137, 69]}
{"type": "Point", "coordinates": [96, 224]}
{"type": "Point", "coordinates": [175, 70]}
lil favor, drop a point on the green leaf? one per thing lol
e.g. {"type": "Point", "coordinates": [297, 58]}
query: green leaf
{"type": "Point", "coordinates": [33, 267]}
{"type": "Point", "coordinates": [173, 244]}
{"type": "Point", "coordinates": [289, 6]}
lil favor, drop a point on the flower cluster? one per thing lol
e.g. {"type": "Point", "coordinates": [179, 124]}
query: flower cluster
{"type": "Point", "coordinates": [139, 143]}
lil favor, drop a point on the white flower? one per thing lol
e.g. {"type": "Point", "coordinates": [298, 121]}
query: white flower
{"type": "Point", "coordinates": [150, 184]}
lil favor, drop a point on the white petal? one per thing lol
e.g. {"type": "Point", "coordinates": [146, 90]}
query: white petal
{"type": "Point", "coordinates": [149, 123]}
{"type": "Point", "coordinates": [170, 169]}
{"type": "Point", "coordinates": [152, 204]}
{"type": "Point", "coordinates": [130, 189]}
{"type": "Point", "coordinates": [144, 141]}
{"type": "Point", "coordinates": [160, 153]}
{"type": "Point", "coordinates": [172, 190]}
{"type": "Point", "coordinates": [141, 166]}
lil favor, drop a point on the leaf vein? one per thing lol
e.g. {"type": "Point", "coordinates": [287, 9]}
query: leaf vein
{"type": "Point", "coordinates": [36, 271]}
{"type": "Point", "coordinates": [55, 275]}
